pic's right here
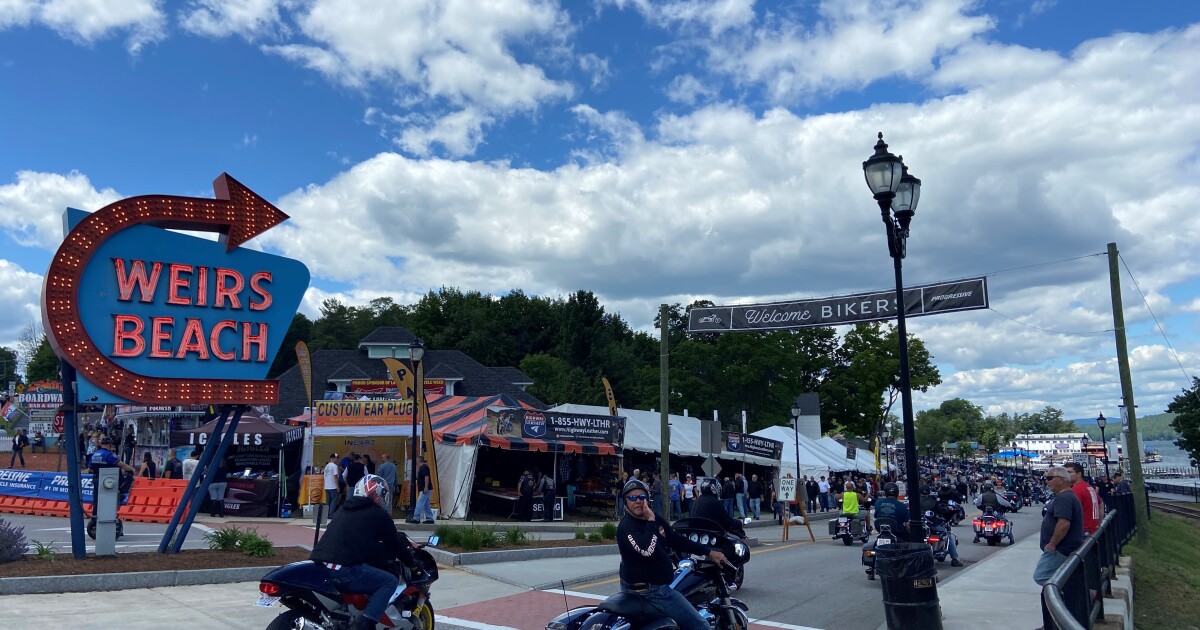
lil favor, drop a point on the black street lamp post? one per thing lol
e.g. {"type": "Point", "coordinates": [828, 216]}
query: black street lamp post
{"type": "Point", "coordinates": [796, 434]}
{"type": "Point", "coordinates": [1102, 422]}
{"type": "Point", "coordinates": [416, 351]}
{"type": "Point", "coordinates": [885, 435]}
{"type": "Point", "coordinates": [897, 194]}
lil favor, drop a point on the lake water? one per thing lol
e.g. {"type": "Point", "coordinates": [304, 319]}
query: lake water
{"type": "Point", "coordinates": [1172, 455]}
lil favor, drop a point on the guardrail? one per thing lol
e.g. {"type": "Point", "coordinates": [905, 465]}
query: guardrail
{"type": "Point", "coordinates": [1073, 599]}
{"type": "Point", "coordinates": [1192, 490]}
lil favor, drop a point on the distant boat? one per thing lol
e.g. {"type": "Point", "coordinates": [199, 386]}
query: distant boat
{"type": "Point", "coordinates": [1151, 456]}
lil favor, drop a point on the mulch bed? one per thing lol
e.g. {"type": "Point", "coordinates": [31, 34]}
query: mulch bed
{"type": "Point", "coordinates": [140, 562]}
{"type": "Point", "coordinates": [536, 544]}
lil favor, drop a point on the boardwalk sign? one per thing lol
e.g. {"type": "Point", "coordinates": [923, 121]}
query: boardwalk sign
{"type": "Point", "coordinates": [946, 297]}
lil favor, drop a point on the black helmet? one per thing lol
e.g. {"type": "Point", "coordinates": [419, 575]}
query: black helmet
{"type": "Point", "coordinates": [891, 489]}
{"type": "Point", "coordinates": [710, 485]}
{"type": "Point", "coordinates": [634, 484]}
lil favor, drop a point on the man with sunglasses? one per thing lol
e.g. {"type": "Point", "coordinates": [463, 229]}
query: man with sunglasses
{"type": "Point", "coordinates": [643, 538]}
{"type": "Point", "coordinates": [1062, 525]}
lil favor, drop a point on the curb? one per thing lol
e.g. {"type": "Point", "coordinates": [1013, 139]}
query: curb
{"type": "Point", "coordinates": [93, 582]}
{"type": "Point", "coordinates": [539, 553]}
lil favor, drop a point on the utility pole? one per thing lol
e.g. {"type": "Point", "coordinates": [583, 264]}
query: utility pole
{"type": "Point", "coordinates": [1135, 447]}
{"type": "Point", "coordinates": [664, 385]}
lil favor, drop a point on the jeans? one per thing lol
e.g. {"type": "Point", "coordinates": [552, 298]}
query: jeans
{"type": "Point", "coordinates": [17, 452]}
{"type": "Point", "coordinates": [676, 508]}
{"type": "Point", "coordinates": [423, 511]}
{"type": "Point", "coordinates": [756, 507]}
{"type": "Point", "coordinates": [673, 604]}
{"type": "Point", "coordinates": [824, 501]}
{"type": "Point", "coordinates": [1047, 565]}
{"type": "Point", "coordinates": [952, 545]}
{"type": "Point", "coordinates": [216, 497]}
{"type": "Point", "coordinates": [741, 504]}
{"type": "Point", "coordinates": [330, 502]}
{"type": "Point", "coordinates": [364, 578]}
{"type": "Point", "coordinates": [548, 505]}
{"type": "Point", "coordinates": [728, 503]}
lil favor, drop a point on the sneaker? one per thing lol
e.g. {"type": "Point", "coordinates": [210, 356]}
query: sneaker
{"type": "Point", "coordinates": [427, 522]}
{"type": "Point", "coordinates": [955, 563]}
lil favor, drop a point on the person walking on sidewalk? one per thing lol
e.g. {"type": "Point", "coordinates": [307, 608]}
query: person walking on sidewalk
{"type": "Point", "coordinates": [1062, 525]}
{"type": "Point", "coordinates": [19, 442]}
{"type": "Point", "coordinates": [755, 491]}
{"type": "Point", "coordinates": [423, 513]}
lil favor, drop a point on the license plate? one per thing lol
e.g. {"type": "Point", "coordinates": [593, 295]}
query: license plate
{"type": "Point", "coordinates": [882, 541]}
{"type": "Point", "coordinates": [266, 602]}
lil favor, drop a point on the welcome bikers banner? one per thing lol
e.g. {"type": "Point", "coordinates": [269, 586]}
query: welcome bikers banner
{"type": "Point", "coordinates": [945, 297]}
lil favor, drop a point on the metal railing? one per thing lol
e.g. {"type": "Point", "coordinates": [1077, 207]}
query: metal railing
{"type": "Point", "coordinates": [1073, 599]}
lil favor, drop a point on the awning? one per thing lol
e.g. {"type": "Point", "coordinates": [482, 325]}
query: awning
{"type": "Point", "coordinates": [250, 432]}
{"type": "Point", "coordinates": [463, 420]}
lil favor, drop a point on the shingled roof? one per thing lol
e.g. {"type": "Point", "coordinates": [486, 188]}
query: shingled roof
{"type": "Point", "coordinates": [478, 379]}
{"type": "Point", "coordinates": [513, 375]}
{"type": "Point", "coordinates": [388, 335]}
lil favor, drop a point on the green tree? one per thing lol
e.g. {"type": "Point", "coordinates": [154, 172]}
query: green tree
{"type": "Point", "coordinates": [44, 365]}
{"type": "Point", "coordinates": [8, 367]}
{"type": "Point", "coordinates": [299, 330]}
{"type": "Point", "coordinates": [1186, 407]}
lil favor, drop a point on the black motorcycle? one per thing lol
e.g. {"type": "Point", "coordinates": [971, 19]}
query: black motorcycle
{"type": "Point", "coordinates": [888, 534]}
{"type": "Point", "coordinates": [952, 511]}
{"type": "Point", "coordinates": [937, 535]}
{"type": "Point", "coordinates": [705, 584]}
{"type": "Point", "coordinates": [848, 530]}
{"type": "Point", "coordinates": [1012, 497]}
{"type": "Point", "coordinates": [314, 602]}
{"type": "Point", "coordinates": [992, 527]}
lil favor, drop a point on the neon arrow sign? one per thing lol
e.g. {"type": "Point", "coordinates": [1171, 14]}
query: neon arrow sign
{"type": "Point", "coordinates": [158, 317]}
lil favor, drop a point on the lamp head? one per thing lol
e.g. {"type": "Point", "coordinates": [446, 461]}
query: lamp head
{"type": "Point", "coordinates": [1101, 421]}
{"type": "Point", "coordinates": [416, 350]}
{"type": "Point", "coordinates": [795, 410]}
{"type": "Point", "coordinates": [883, 171]}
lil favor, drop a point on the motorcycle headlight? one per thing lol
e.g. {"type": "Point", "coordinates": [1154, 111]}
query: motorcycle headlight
{"type": "Point", "coordinates": [740, 549]}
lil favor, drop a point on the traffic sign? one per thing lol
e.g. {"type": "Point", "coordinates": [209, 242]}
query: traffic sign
{"type": "Point", "coordinates": [710, 466]}
{"type": "Point", "coordinates": [787, 489]}
{"type": "Point", "coordinates": [60, 421]}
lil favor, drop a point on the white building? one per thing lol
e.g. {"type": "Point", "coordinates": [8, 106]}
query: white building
{"type": "Point", "coordinates": [1061, 445]}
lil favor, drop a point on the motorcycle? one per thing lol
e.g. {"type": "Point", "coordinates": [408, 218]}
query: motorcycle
{"type": "Point", "coordinates": [697, 590]}
{"type": "Point", "coordinates": [314, 603]}
{"type": "Point", "coordinates": [937, 535]}
{"type": "Point", "coordinates": [887, 535]}
{"type": "Point", "coordinates": [701, 581]}
{"type": "Point", "coordinates": [992, 527]}
{"type": "Point", "coordinates": [848, 530]}
{"type": "Point", "coordinates": [1012, 497]}
{"type": "Point", "coordinates": [952, 511]}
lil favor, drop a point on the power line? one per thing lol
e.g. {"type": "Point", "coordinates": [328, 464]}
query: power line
{"type": "Point", "coordinates": [1161, 331]}
{"type": "Point", "coordinates": [1056, 332]}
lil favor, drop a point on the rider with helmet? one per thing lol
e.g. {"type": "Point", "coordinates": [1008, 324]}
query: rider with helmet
{"type": "Point", "coordinates": [643, 538]}
{"type": "Point", "coordinates": [989, 497]}
{"type": "Point", "coordinates": [889, 507]}
{"type": "Point", "coordinates": [709, 506]}
{"type": "Point", "coordinates": [358, 545]}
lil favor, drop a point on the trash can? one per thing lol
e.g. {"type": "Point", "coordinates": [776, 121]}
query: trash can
{"type": "Point", "coordinates": [909, 580]}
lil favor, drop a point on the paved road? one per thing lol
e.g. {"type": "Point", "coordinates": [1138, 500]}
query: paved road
{"type": "Point", "coordinates": [822, 584]}
{"type": "Point", "coordinates": [56, 532]}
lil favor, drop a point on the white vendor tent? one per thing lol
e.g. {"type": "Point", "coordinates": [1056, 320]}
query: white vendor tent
{"type": "Point", "coordinates": [814, 459]}
{"type": "Point", "coordinates": [643, 432]}
{"type": "Point", "coordinates": [864, 460]}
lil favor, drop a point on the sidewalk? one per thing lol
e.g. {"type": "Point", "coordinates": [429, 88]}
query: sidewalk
{"type": "Point", "coordinates": [1001, 587]}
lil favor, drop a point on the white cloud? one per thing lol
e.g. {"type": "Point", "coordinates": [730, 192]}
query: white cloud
{"type": "Point", "coordinates": [31, 208]}
{"type": "Point", "coordinates": [87, 21]}
{"type": "Point", "coordinates": [248, 19]}
{"type": "Point", "coordinates": [689, 90]}
{"type": "Point", "coordinates": [21, 290]}
{"type": "Point", "coordinates": [714, 16]}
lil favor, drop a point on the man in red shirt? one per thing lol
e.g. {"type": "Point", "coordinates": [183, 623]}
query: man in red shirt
{"type": "Point", "coordinates": [1093, 509]}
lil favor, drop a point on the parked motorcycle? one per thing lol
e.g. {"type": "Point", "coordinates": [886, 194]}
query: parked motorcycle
{"type": "Point", "coordinates": [888, 534]}
{"type": "Point", "coordinates": [701, 581]}
{"type": "Point", "coordinates": [992, 527]}
{"type": "Point", "coordinates": [314, 603]}
{"type": "Point", "coordinates": [848, 530]}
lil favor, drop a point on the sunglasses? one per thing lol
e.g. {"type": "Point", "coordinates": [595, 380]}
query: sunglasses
{"type": "Point", "coordinates": [636, 497]}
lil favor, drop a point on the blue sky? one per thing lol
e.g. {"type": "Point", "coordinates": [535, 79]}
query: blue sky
{"type": "Point", "coordinates": [651, 151]}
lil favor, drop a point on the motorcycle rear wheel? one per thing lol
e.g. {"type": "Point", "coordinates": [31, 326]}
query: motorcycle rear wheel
{"type": "Point", "coordinates": [287, 620]}
{"type": "Point", "coordinates": [846, 540]}
{"type": "Point", "coordinates": [993, 541]}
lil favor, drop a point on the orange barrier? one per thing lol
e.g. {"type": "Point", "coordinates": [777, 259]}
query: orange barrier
{"type": "Point", "coordinates": [150, 501]}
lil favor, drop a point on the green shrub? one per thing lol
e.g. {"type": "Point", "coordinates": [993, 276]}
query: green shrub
{"type": "Point", "coordinates": [44, 551]}
{"type": "Point", "coordinates": [12, 542]}
{"type": "Point", "coordinates": [580, 534]}
{"type": "Point", "coordinates": [257, 546]}
{"type": "Point", "coordinates": [608, 531]}
{"type": "Point", "coordinates": [225, 539]}
{"type": "Point", "coordinates": [515, 536]}
{"type": "Point", "coordinates": [594, 537]}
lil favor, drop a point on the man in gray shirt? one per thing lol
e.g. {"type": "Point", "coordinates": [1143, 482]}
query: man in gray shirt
{"type": "Point", "coordinates": [1062, 525]}
{"type": "Point", "coordinates": [387, 470]}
